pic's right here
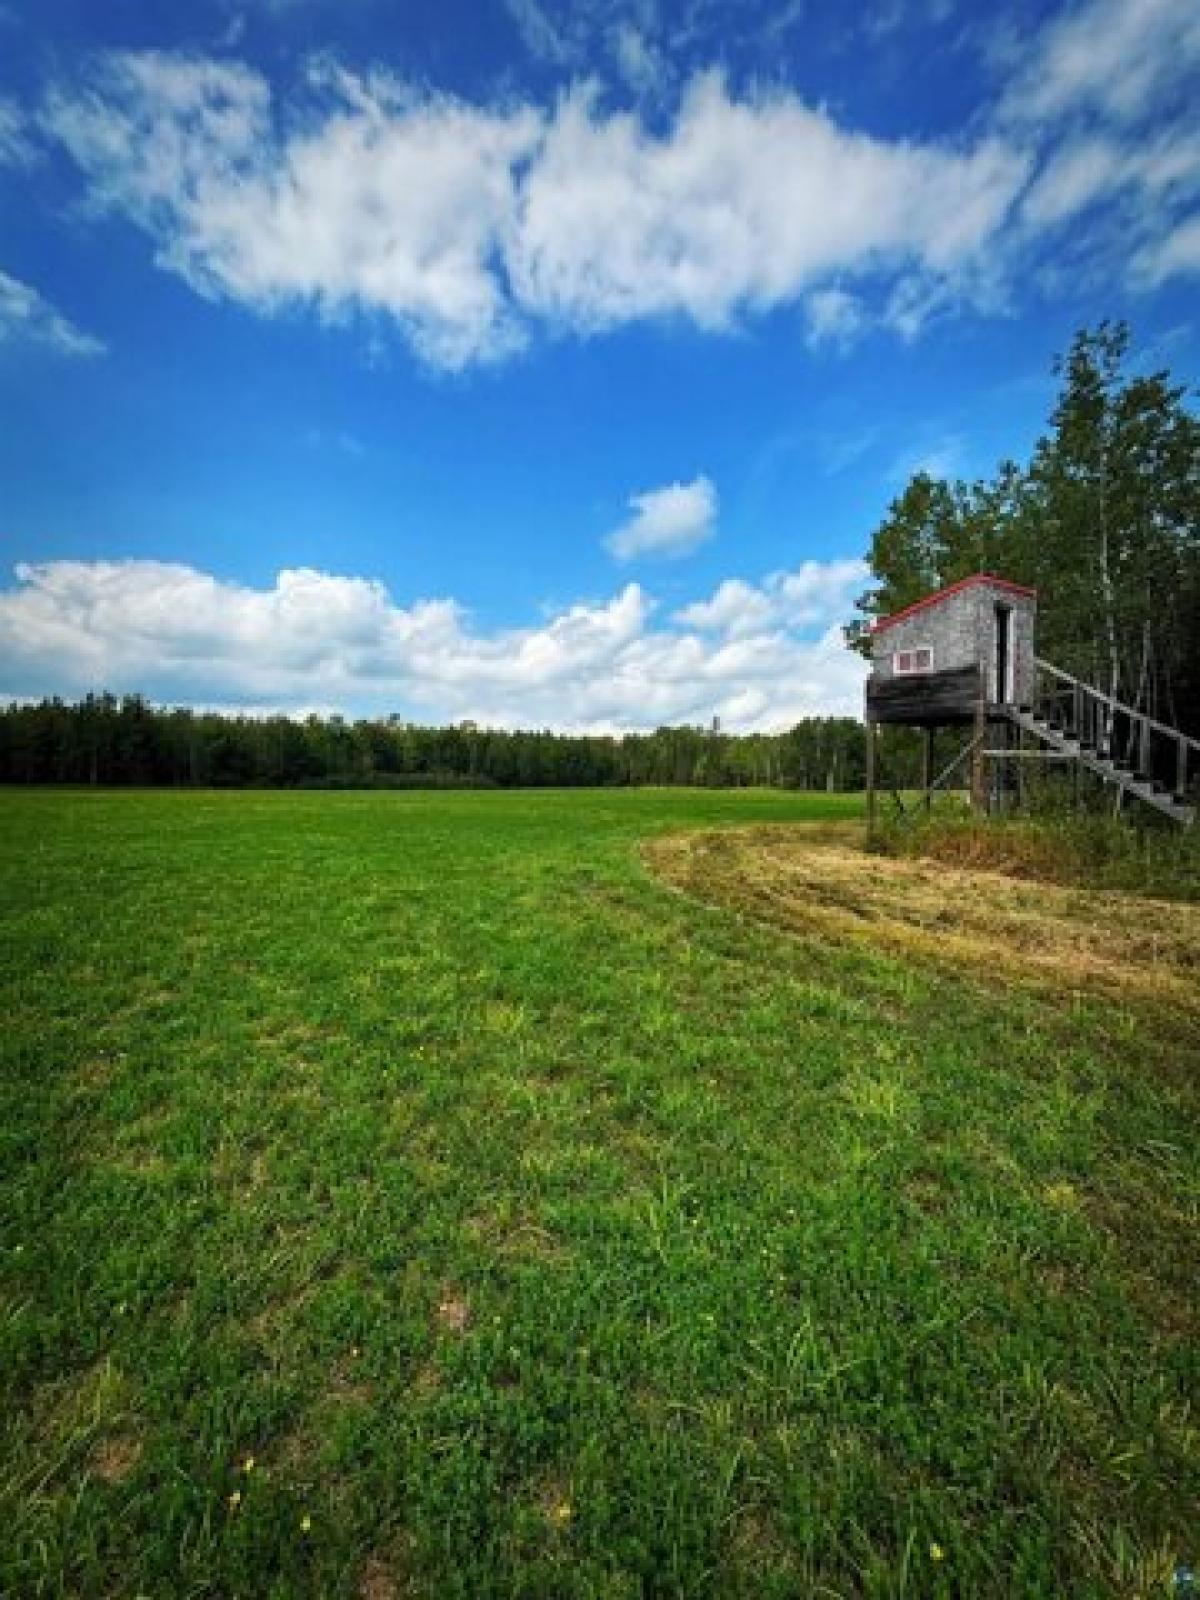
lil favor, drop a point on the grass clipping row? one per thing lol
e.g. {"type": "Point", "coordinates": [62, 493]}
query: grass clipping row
{"type": "Point", "coordinates": [821, 883]}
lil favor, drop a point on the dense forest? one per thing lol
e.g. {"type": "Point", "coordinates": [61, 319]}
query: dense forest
{"type": "Point", "coordinates": [1104, 522]}
{"type": "Point", "coordinates": [109, 741]}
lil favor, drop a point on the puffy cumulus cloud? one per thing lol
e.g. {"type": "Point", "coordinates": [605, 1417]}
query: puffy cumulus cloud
{"type": "Point", "coordinates": [182, 635]}
{"type": "Point", "coordinates": [671, 521]}
{"type": "Point", "coordinates": [794, 600]}
{"type": "Point", "coordinates": [465, 225]}
{"type": "Point", "coordinates": [739, 205]}
{"type": "Point", "coordinates": [380, 200]}
{"type": "Point", "coordinates": [468, 226]}
{"type": "Point", "coordinates": [25, 316]}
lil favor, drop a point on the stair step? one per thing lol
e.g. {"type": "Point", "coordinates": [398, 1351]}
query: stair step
{"type": "Point", "coordinates": [1063, 731]}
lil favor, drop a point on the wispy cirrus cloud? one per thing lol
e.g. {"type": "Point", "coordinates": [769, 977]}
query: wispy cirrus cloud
{"type": "Point", "coordinates": [1174, 255]}
{"type": "Point", "coordinates": [1107, 92]}
{"type": "Point", "coordinates": [1118, 58]}
{"type": "Point", "coordinates": [17, 147]}
{"type": "Point", "coordinates": [26, 316]}
{"type": "Point", "coordinates": [1096, 166]}
{"type": "Point", "coordinates": [184, 635]}
{"type": "Point", "coordinates": [833, 317]}
{"type": "Point", "coordinates": [942, 455]}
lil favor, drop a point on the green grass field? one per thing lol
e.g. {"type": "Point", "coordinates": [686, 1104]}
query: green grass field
{"type": "Point", "coordinates": [413, 1195]}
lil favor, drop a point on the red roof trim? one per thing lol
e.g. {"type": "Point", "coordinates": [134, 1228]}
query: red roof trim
{"type": "Point", "coordinates": [953, 588]}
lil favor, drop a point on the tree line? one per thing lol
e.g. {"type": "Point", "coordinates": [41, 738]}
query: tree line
{"type": "Point", "coordinates": [127, 741]}
{"type": "Point", "coordinates": [1104, 521]}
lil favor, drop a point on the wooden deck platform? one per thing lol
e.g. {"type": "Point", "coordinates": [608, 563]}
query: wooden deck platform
{"type": "Point", "coordinates": [926, 699]}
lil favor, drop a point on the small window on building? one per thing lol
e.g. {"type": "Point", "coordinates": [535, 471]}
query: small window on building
{"type": "Point", "coordinates": [919, 659]}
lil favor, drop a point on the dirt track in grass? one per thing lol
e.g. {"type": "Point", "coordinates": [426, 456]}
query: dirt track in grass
{"type": "Point", "coordinates": [819, 883]}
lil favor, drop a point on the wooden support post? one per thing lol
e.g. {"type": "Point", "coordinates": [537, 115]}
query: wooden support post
{"type": "Point", "coordinates": [1181, 765]}
{"type": "Point", "coordinates": [927, 770]}
{"type": "Point", "coordinates": [978, 771]}
{"type": "Point", "coordinates": [872, 804]}
{"type": "Point", "coordinates": [1022, 786]}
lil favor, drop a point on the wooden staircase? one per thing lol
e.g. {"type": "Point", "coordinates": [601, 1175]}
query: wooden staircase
{"type": "Point", "coordinates": [1119, 744]}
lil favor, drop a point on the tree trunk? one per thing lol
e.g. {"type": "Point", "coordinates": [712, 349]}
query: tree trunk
{"type": "Point", "coordinates": [1110, 621]}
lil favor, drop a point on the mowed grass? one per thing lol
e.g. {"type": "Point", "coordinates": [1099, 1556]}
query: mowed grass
{"type": "Point", "coordinates": [417, 1195]}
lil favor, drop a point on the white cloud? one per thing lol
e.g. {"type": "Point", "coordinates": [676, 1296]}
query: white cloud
{"type": "Point", "coordinates": [464, 225]}
{"type": "Point", "coordinates": [834, 317]}
{"type": "Point", "coordinates": [1098, 166]}
{"type": "Point", "coordinates": [1177, 254]}
{"type": "Point", "coordinates": [183, 635]}
{"type": "Point", "coordinates": [942, 457]}
{"type": "Point", "coordinates": [742, 205]}
{"type": "Point", "coordinates": [544, 38]}
{"type": "Point", "coordinates": [467, 227]}
{"type": "Point", "coordinates": [638, 59]}
{"type": "Point", "coordinates": [808, 596]}
{"type": "Point", "coordinates": [842, 449]}
{"type": "Point", "coordinates": [569, 36]}
{"type": "Point", "coordinates": [25, 316]}
{"type": "Point", "coordinates": [671, 521]}
{"type": "Point", "coordinates": [1107, 90]}
{"type": "Point", "coordinates": [16, 147]}
{"type": "Point", "coordinates": [1121, 58]}
{"type": "Point", "coordinates": [384, 201]}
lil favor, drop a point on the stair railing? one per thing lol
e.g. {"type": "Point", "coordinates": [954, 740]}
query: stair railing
{"type": "Point", "coordinates": [1090, 716]}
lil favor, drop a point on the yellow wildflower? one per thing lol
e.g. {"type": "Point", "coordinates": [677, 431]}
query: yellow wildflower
{"type": "Point", "coordinates": [235, 1500]}
{"type": "Point", "coordinates": [936, 1551]}
{"type": "Point", "coordinates": [306, 1523]}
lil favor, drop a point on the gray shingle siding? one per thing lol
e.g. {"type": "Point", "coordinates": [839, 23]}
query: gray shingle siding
{"type": "Point", "coordinates": [960, 629]}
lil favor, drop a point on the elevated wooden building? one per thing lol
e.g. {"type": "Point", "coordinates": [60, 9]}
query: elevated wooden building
{"type": "Point", "coordinates": [935, 662]}
{"type": "Point", "coordinates": [965, 657]}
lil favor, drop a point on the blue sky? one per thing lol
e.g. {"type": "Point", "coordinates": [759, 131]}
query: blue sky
{"type": "Point", "coordinates": [541, 364]}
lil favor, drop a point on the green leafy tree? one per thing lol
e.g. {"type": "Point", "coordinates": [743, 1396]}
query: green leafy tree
{"type": "Point", "coordinates": [1104, 522]}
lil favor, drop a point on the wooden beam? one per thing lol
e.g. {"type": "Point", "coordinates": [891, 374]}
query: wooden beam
{"type": "Point", "coordinates": [1030, 755]}
{"type": "Point", "coordinates": [978, 769]}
